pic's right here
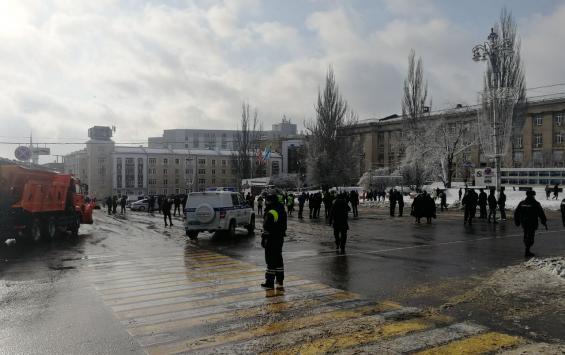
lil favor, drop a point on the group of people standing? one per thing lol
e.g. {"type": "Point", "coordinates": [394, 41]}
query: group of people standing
{"type": "Point", "coordinates": [112, 203]}
{"type": "Point", "coordinates": [471, 200]}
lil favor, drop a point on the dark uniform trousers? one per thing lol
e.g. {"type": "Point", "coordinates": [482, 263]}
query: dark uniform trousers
{"type": "Point", "coordinates": [340, 235]}
{"type": "Point", "coordinates": [274, 259]}
{"type": "Point", "coordinates": [529, 234]}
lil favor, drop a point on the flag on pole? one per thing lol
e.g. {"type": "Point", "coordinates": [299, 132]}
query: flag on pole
{"type": "Point", "coordinates": [267, 153]}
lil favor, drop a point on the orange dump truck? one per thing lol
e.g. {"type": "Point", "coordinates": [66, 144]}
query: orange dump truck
{"type": "Point", "coordinates": [36, 204]}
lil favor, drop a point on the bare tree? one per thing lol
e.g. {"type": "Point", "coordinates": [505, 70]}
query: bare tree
{"type": "Point", "coordinates": [246, 142]}
{"type": "Point", "coordinates": [332, 156]}
{"type": "Point", "coordinates": [415, 138]}
{"type": "Point", "coordinates": [504, 88]}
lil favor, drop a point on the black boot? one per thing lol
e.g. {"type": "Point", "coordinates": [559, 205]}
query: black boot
{"type": "Point", "coordinates": [268, 285]}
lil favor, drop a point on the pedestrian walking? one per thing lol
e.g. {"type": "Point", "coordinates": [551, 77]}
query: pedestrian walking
{"type": "Point", "coordinates": [354, 200]}
{"type": "Point", "coordinates": [338, 220]}
{"type": "Point", "coordinates": [492, 205]}
{"type": "Point", "coordinates": [166, 205]}
{"type": "Point", "coordinates": [109, 204]}
{"type": "Point", "coordinates": [556, 191]}
{"type": "Point", "coordinates": [526, 215]}
{"type": "Point", "coordinates": [176, 202]}
{"type": "Point", "coordinates": [260, 205]}
{"type": "Point", "coordinates": [482, 204]}
{"type": "Point", "coordinates": [443, 200]}
{"type": "Point", "coordinates": [123, 202]}
{"type": "Point", "coordinates": [115, 204]}
{"type": "Point", "coordinates": [317, 205]}
{"type": "Point", "coordinates": [290, 204]}
{"type": "Point", "coordinates": [429, 206]}
{"type": "Point", "coordinates": [400, 200]}
{"type": "Point", "coordinates": [151, 207]}
{"type": "Point", "coordinates": [563, 211]}
{"type": "Point", "coordinates": [547, 192]}
{"type": "Point", "coordinates": [470, 202]}
{"type": "Point", "coordinates": [460, 193]}
{"type": "Point", "coordinates": [392, 201]}
{"type": "Point", "coordinates": [272, 239]}
{"type": "Point", "coordinates": [301, 202]}
{"type": "Point", "coordinates": [417, 208]}
{"type": "Point", "coordinates": [502, 204]}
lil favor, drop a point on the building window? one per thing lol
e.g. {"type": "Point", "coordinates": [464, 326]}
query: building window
{"type": "Point", "coordinates": [519, 142]}
{"type": "Point", "coordinates": [195, 140]}
{"type": "Point", "coordinates": [538, 140]}
{"type": "Point", "coordinates": [177, 161]}
{"type": "Point", "coordinates": [140, 172]}
{"type": "Point", "coordinates": [275, 168]}
{"type": "Point", "coordinates": [202, 171]}
{"type": "Point", "coordinates": [176, 181]}
{"type": "Point", "coordinates": [165, 161]}
{"type": "Point", "coordinates": [165, 191]}
{"type": "Point", "coordinates": [223, 171]}
{"type": "Point", "coordinates": [202, 181]}
{"type": "Point", "coordinates": [213, 181]}
{"type": "Point", "coordinates": [176, 171]}
{"type": "Point", "coordinates": [152, 181]}
{"type": "Point", "coordinates": [224, 163]}
{"type": "Point", "coordinates": [538, 120]}
{"type": "Point", "coordinates": [558, 118]}
{"type": "Point", "coordinates": [165, 182]}
{"type": "Point", "coordinates": [213, 162]}
{"type": "Point", "coordinates": [213, 171]}
{"type": "Point", "coordinates": [201, 161]}
{"type": "Point", "coordinates": [165, 171]}
{"type": "Point", "coordinates": [152, 161]}
{"type": "Point", "coordinates": [558, 138]}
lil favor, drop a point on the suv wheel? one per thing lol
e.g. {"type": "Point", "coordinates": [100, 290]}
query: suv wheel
{"type": "Point", "coordinates": [251, 226]}
{"type": "Point", "coordinates": [231, 229]}
{"type": "Point", "coordinates": [141, 208]}
{"type": "Point", "coordinates": [192, 234]}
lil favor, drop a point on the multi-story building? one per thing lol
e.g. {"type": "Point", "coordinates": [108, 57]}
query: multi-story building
{"type": "Point", "coordinates": [540, 144]}
{"type": "Point", "coordinates": [110, 169]}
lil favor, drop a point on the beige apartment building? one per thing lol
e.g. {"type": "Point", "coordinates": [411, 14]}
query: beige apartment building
{"type": "Point", "coordinates": [541, 143]}
{"type": "Point", "coordinates": [135, 171]}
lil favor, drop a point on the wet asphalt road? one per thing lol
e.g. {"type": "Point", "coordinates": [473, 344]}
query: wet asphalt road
{"type": "Point", "coordinates": [48, 302]}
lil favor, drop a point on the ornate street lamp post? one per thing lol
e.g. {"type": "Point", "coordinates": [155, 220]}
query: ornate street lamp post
{"type": "Point", "coordinates": [494, 50]}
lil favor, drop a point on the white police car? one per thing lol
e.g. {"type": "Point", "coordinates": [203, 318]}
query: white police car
{"type": "Point", "coordinates": [217, 211]}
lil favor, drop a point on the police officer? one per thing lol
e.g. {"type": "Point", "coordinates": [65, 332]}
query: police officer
{"type": "Point", "coordinates": [527, 214]}
{"type": "Point", "coordinates": [482, 204]}
{"type": "Point", "coordinates": [274, 229]}
{"type": "Point", "coordinates": [563, 211]}
{"type": "Point", "coordinates": [470, 203]}
{"type": "Point", "coordinates": [338, 219]}
{"type": "Point", "coordinates": [492, 205]}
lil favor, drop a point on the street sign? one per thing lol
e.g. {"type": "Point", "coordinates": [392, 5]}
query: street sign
{"type": "Point", "coordinates": [41, 151]}
{"type": "Point", "coordinates": [23, 153]}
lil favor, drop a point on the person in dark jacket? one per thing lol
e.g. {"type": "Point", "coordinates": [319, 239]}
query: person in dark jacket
{"type": "Point", "coordinates": [443, 201]}
{"type": "Point", "coordinates": [555, 191]}
{"type": "Point", "coordinates": [526, 215]}
{"type": "Point", "coordinates": [492, 205]}
{"type": "Point", "coordinates": [123, 202]}
{"type": "Point", "coordinates": [417, 208]}
{"type": "Point", "coordinates": [338, 220]}
{"type": "Point", "coordinates": [392, 201]}
{"type": "Point", "coordinates": [460, 193]}
{"type": "Point", "coordinates": [166, 205]}
{"type": "Point", "coordinates": [470, 202]}
{"type": "Point", "coordinates": [176, 203]}
{"type": "Point", "coordinates": [502, 204]}
{"type": "Point", "coordinates": [354, 200]}
{"type": "Point", "coordinates": [563, 211]}
{"type": "Point", "coordinates": [429, 207]}
{"type": "Point", "coordinates": [400, 200]}
{"type": "Point", "coordinates": [301, 202]}
{"type": "Point", "coordinates": [115, 204]}
{"type": "Point", "coordinates": [482, 204]}
{"type": "Point", "coordinates": [272, 239]}
{"type": "Point", "coordinates": [109, 204]}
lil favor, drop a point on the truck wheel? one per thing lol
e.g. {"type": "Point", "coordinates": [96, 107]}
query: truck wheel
{"type": "Point", "coordinates": [192, 234]}
{"type": "Point", "coordinates": [231, 229]}
{"type": "Point", "coordinates": [141, 209]}
{"type": "Point", "coordinates": [35, 231]}
{"type": "Point", "coordinates": [251, 226]}
{"type": "Point", "coordinates": [49, 228]}
{"type": "Point", "coordinates": [75, 227]}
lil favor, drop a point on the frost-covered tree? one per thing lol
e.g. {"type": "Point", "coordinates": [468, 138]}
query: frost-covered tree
{"type": "Point", "coordinates": [333, 157]}
{"type": "Point", "coordinates": [246, 142]}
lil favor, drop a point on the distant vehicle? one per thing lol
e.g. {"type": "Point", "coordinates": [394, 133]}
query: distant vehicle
{"type": "Point", "coordinates": [36, 204]}
{"type": "Point", "coordinates": [140, 205]}
{"type": "Point", "coordinates": [217, 211]}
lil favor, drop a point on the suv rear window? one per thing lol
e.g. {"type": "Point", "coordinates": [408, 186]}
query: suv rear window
{"type": "Point", "coordinates": [195, 200]}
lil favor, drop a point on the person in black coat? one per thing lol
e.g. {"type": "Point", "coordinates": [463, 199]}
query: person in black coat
{"type": "Point", "coordinates": [392, 201]}
{"type": "Point", "coordinates": [123, 202]}
{"type": "Point", "coordinates": [443, 200]}
{"type": "Point", "coordinates": [526, 215]}
{"type": "Point", "coordinates": [338, 219]}
{"type": "Point", "coordinates": [417, 208]}
{"type": "Point", "coordinates": [109, 204]}
{"type": "Point", "coordinates": [482, 204]}
{"type": "Point", "coordinates": [470, 202]}
{"type": "Point", "coordinates": [492, 204]}
{"type": "Point", "coordinates": [272, 239]}
{"type": "Point", "coordinates": [400, 200]}
{"type": "Point", "coordinates": [563, 211]}
{"type": "Point", "coordinates": [166, 205]}
{"type": "Point", "coordinates": [115, 204]}
{"type": "Point", "coordinates": [354, 199]}
{"type": "Point", "coordinates": [502, 204]}
{"type": "Point", "coordinates": [429, 206]}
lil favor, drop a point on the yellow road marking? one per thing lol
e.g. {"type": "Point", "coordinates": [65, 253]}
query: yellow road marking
{"type": "Point", "coordinates": [374, 331]}
{"type": "Point", "coordinates": [479, 344]}
{"type": "Point", "coordinates": [273, 328]}
{"type": "Point", "coordinates": [265, 309]}
{"type": "Point", "coordinates": [173, 282]}
{"type": "Point", "coordinates": [175, 307]}
{"type": "Point", "coordinates": [118, 299]}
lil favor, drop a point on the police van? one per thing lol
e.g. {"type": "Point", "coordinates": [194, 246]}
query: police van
{"type": "Point", "coordinates": [217, 211]}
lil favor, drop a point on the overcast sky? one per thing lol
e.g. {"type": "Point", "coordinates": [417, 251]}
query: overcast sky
{"type": "Point", "coordinates": [145, 66]}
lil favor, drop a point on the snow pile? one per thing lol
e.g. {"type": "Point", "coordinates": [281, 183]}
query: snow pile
{"type": "Point", "coordinates": [555, 265]}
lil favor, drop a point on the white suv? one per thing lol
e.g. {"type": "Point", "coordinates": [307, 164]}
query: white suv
{"type": "Point", "coordinates": [216, 211]}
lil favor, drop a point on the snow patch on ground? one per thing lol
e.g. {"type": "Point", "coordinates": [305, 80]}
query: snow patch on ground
{"type": "Point", "coordinates": [554, 266]}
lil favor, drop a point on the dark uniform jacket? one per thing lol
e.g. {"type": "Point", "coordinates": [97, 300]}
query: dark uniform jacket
{"type": "Point", "coordinates": [502, 199]}
{"type": "Point", "coordinates": [491, 201]}
{"type": "Point", "coordinates": [528, 212]}
{"type": "Point", "coordinates": [274, 224]}
{"type": "Point", "coordinates": [563, 212]}
{"type": "Point", "coordinates": [482, 198]}
{"type": "Point", "coordinates": [338, 214]}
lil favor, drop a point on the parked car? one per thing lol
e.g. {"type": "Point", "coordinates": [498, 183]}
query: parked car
{"type": "Point", "coordinates": [141, 205]}
{"type": "Point", "coordinates": [217, 211]}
